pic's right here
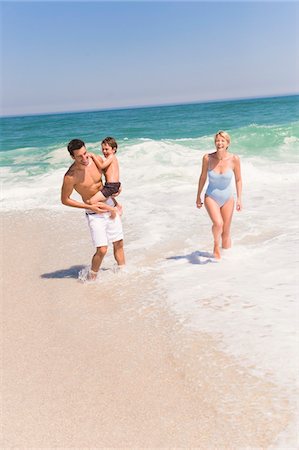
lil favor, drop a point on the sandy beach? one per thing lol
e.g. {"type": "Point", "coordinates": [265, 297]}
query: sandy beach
{"type": "Point", "coordinates": [106, 365]}
{"type": "Point", "coordinates": [190, 345]}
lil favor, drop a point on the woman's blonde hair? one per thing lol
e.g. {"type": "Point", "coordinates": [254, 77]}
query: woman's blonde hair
{"type": "Point", "coordinates": [223, 134]}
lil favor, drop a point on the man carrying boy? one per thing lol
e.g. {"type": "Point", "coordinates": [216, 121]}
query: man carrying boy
{"type": "Point", "coordinates": [85, 177]}
{"type": "Point", "coordinates": [111, 170]}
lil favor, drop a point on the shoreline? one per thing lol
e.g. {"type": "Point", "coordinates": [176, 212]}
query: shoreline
{"type": "Point", "coordinates": [108, 365]}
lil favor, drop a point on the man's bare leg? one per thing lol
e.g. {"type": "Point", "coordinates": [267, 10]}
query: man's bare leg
{"type": "Point", "coordinates": [97, 261]}
{"type": "Point", "coordinates": [118, 250]}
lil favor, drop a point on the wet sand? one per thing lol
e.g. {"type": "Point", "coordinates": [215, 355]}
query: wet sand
{"type": "Point", "coordinates": [106, 364]}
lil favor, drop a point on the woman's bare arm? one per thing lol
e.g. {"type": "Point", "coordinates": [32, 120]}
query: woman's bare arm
{"type": "Point", "coordinates": [238, 181]}
{"type": "Point", "coordinates": [202, 179]}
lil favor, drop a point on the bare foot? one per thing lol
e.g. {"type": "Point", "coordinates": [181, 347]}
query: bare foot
{"type": "Point", "coordinates": [216, 252]}
{"type": "Point", "coordinates": [92, 275]}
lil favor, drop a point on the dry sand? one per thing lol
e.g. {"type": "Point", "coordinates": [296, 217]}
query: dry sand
{"type": "Point", "coordinates": [107, 365]}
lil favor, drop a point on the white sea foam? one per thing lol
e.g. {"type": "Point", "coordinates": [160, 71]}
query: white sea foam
{"type": "Point", "coordinates": [248, 298]}
{"type": "Point", "coordinates": [59, 155]}
{"type": "Point", "coordinates": [159, 188]}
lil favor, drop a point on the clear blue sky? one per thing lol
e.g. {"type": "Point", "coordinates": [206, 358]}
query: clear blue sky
{"type": "Point", "coordinates": [68, 56]}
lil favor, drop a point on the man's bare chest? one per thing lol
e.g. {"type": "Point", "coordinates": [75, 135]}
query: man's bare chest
{"type": "Point", "coordinates": [88, 178]}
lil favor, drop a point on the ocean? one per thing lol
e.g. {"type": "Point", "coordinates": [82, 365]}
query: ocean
{"type": "Point", "coordinates": [248, 300]}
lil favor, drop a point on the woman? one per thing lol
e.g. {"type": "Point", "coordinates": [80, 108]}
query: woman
{"type": "Point", "coordinates": [220, 167]}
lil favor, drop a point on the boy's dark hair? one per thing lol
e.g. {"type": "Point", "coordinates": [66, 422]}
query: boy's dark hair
{"type": "Point", "coordinates": [110, 141]}
{"type": "Point", "coordinates": [75, 144]}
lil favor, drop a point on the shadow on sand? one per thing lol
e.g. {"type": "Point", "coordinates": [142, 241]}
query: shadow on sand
{"type": "Point", "coordinates": [197, 257]}
{"type": "Point", "coordinates": [72, 272]}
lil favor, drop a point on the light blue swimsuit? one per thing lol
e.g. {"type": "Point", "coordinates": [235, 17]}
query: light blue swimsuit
{"type": "Point", "coordinates": [220, 186]}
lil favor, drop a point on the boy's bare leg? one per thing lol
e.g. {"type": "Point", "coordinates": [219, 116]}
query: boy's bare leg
{"type": "Point", "coordinates": [100, 198]}
{"type": "Point", "coordinates": [118, 206]}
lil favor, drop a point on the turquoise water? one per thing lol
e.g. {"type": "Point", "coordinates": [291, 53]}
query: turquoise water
{"type": "Point", "coordinates": [33, 148]}
{"type": "Point", "coordinates": [162, 122]}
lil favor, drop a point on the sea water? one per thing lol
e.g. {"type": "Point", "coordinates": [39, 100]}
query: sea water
{"type": "Point", "coordinates": [248, 299]}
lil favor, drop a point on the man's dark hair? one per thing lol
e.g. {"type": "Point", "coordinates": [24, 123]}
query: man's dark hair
{"type": "Point", "coordinates": [75, 144]}
{"type": "Point", "coordinates": [110, 141]}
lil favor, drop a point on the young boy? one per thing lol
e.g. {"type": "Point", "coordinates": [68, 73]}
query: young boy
{"type": "Point", "coordinates": [110, 168]}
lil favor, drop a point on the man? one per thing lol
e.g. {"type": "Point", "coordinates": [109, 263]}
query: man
{"type": "Point", "coordinates": [84, 176]}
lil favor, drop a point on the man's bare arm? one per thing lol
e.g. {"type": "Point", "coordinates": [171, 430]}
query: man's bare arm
{"type": "Point", "coordinates": [66, 192]}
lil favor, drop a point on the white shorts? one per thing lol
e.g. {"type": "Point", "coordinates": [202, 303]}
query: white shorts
{"type": "Point", "coordinates": [103, 229]}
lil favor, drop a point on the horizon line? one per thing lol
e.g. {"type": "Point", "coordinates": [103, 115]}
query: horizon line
{"type": "Point", "coordinates": [121, 108]}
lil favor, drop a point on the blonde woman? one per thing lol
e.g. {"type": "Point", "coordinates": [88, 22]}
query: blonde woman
{"type": "Point", "coordinates": [220, 167]}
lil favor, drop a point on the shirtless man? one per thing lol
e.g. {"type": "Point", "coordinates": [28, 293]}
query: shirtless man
{"type": "Point", "coordinates": [85, 177]}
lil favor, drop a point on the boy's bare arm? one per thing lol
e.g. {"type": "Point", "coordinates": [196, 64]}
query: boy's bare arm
{"type": "Point", "coordinates": [108, 161]}
{"type": "Point", "coordinates": [100, 163]}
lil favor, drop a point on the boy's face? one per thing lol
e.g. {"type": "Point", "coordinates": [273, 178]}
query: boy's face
{"type": "Point", "coordinates": [107, 150]}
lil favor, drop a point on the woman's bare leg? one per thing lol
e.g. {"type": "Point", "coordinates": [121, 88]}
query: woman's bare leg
{"type": "Point", "coordinates": [227, 214]}
{"type": "Point", "coordinates": [217, 228]}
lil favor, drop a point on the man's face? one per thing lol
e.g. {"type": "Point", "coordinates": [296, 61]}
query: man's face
{"type": "Point", "coordinates": [80, 156]}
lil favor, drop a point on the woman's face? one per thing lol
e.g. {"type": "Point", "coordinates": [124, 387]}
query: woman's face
{"type": "Point", "coordinates": [221, 143]}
